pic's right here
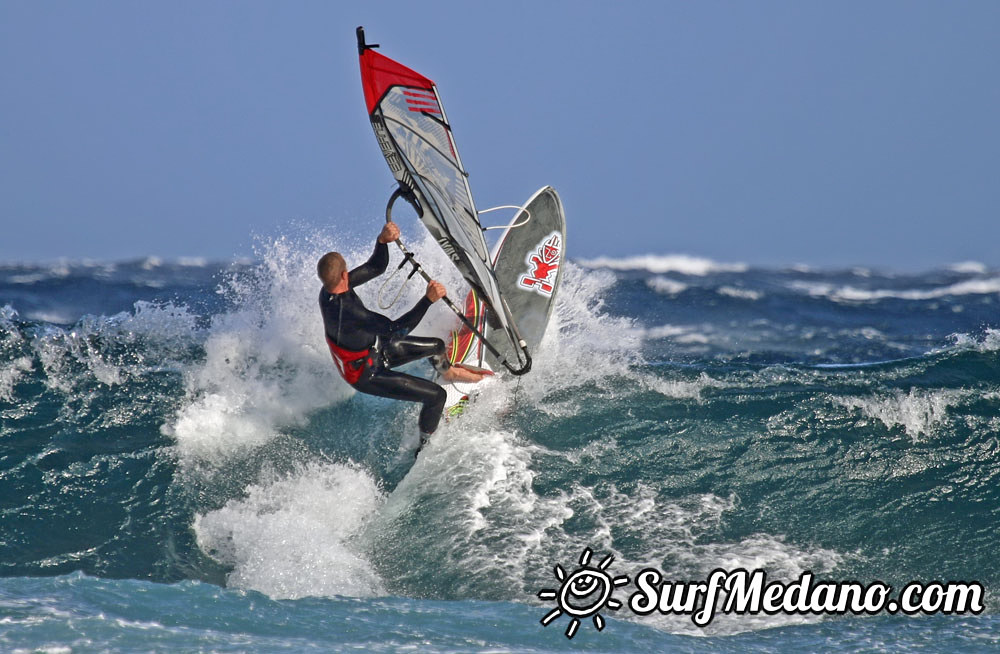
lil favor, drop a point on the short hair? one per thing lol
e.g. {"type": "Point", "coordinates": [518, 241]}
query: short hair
{"type": "Point", "coordinates": [330, 267]}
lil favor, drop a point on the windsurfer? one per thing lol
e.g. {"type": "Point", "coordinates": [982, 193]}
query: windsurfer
{"type": "Point", "coordinates": [366, 346]}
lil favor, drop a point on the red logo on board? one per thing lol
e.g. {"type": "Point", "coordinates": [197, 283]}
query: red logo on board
{"type": "Point", "coordinates": [543, 265]}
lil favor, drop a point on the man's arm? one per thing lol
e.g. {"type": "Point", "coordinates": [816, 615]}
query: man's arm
{"type": "Point", "coordinates": [369, 270]}
{"type": "Point", "coordinates": [406, 322]}
{"type": "Point", "coordinates": [379, 261]}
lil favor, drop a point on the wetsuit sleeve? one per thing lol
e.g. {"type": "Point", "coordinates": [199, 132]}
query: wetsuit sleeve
{"type": "Point", "coordinates": [372, 268]}
{"type": "Point", "coordinates": [411, 318]}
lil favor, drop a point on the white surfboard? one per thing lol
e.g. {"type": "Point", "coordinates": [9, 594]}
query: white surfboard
{"type": "Point", "coordinates": [528, 263]}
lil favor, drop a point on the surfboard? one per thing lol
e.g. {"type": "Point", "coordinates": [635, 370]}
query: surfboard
{"type": "Point", "coordinates": [527, 260]}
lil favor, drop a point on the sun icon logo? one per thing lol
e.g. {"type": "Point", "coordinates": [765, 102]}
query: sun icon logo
{"type": "Point", "coordinates": [583, 593]}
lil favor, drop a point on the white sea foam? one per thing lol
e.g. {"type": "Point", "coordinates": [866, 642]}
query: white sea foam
{"type": "Point", "coordinates": [989, 341]}
{"type": "Point", "coordinates": [74, 356]}
{"type": "Point", "coordinates": [11, 373]}
{"type": "Point", "coordinates": [918, 412]}
{"type": "Point", "coordinates": [266, 365]}
{"type": "Point", "coordinates": [60, 268]}
{"type": "Point", "coordinates": [854, 294]}
{"type": "Point", "coordinates": [582, 345]}
{"type": "Point", "coordinates": [167, 326]}
{"type": "Point", "coordinates": [296, 536]}
{"type": "Point", "coordinates": [13, 367]}
{"type": "Point", "coordinates": [50, 316]}
{"type": "Point", "coordinates": [685, 334]}
{"type": "Point", "coordinates": [29, 278]}
{"type": "Point", "coordinates": [679, 263]}
{"type": "Point", "coordinates": [969, 267]}
{"type": "Point", "coordinates": [149, 263]}
{"type": "Point", "coordinates": [666, 285]}
{"type": "Point", "coordinates": [468, 500]}
{"type": "Point", "coordinates": [682, 389]}
{"type": "Point", "coordinates": [8, 315]}
{"type": "Point", "coordinates": [740, 293]}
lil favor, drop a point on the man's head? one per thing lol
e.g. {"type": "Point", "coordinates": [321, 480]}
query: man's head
{"type": "Point", "coordinates": [331, 269]}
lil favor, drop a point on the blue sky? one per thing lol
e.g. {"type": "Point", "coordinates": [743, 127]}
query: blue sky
{"type": "Point", "coordinates": [831, 134]}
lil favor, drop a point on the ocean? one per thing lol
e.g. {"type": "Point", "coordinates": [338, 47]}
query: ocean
{"type": "Point", "coordinates": [182, 469]}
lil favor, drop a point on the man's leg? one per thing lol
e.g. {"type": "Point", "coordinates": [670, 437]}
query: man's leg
{"type": "Point", "coordinates": [400, 386]}
{"type": "Point", "coordinates": [404, 350]}
{"type": "Point", "coordinates": [400, 351]}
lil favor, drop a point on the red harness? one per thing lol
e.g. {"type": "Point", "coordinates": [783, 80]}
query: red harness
{"type": "Point", "coordinates": [349, 364]}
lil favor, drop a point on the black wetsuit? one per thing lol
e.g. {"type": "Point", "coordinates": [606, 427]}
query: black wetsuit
{"type": "Point", "coordinates": [351, 326]}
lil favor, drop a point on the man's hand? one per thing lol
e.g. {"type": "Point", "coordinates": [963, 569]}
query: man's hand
{"type": "Point", "coordinates": [435, 291]}
{"type": "Point", "coordinates": [389, 233]}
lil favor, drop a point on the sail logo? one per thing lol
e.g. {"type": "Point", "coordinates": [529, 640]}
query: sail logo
{"type": "Point", "coordinates": [385, 143]}
{"type": "Point", "coordinates": [543, 265]}
{"type": "Point", "coordinates": [449, 249]}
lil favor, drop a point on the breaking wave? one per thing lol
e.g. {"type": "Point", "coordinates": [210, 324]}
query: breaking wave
{"type": "Point", "coordinates": [655, 263]}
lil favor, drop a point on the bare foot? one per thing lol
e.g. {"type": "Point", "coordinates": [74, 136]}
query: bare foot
{"type": "Point", "coordinates": [458, 373]}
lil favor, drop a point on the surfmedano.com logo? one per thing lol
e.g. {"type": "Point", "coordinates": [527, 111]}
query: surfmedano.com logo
{"type": "Point", "coordinates": [589, 589]}
{"type": "Point", "coordinates": [583, 593]}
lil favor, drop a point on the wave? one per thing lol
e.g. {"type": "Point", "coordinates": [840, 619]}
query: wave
{"type": "Point", "coordinates": [740, 293]}
{"type": "Point", "coordinates": [969, 267]}
{"type": "Point", "coordinates": [293, 536]}
{"type": "Point", "coordinates": [666, 286]}
{"type": "Point", "coordinates": [264, 368]}
{"type": "Point", "coordinates": [107, 350]}
{"type": "Point", "coordinates": [918, 412]}
{"type": "Point", "coordinates": [855, 294]}
{"type": "Point", "coordinates": [678, 333]}
{"type": "Point", "coordinates": [988, 341]}
{"type": "Point", "coordinates": [654, 263]}
{"type": "Point", "coordinates": [14, 364]}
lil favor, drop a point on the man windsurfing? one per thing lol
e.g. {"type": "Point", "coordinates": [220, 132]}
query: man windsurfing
{"type": "Point", "coordinates": [366, 346]}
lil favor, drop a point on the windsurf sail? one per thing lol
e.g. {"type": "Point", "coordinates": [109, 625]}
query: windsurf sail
{"type": "Point", "coordinates": [416, 139]}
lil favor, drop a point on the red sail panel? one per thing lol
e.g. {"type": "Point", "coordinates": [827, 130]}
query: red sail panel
{"type": "Point", "coordinates": [380, 73]}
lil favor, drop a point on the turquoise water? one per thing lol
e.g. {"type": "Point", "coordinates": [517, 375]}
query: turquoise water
{"type": "Point", "coordinates": [83, 614]}
{"type": "Point", "coordinates": [181, 468]}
